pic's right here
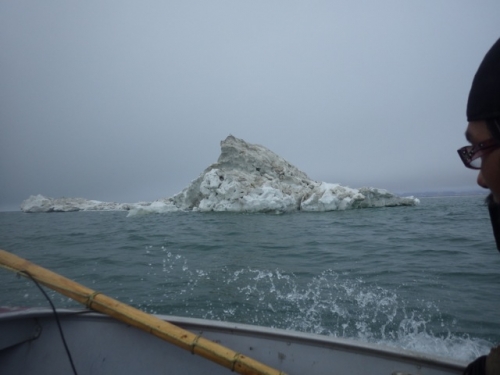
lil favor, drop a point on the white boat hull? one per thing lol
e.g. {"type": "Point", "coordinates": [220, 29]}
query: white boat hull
{"type": "Point", "coordinates": [30, 343]}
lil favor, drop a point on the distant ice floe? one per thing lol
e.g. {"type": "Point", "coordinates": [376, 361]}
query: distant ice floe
{"type": "Point", "coordinates": [39, 203]}
{"type": "Point", "coordinates": [246, 178]}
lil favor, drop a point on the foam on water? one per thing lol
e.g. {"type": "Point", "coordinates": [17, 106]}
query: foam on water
{"type": "Point", "coordinates": [329, 304]}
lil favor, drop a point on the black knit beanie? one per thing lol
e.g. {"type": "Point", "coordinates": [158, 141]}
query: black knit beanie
{"type": "Point", "coordinates": [484, 95]}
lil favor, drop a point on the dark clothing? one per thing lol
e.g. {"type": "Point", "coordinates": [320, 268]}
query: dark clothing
{"type": "Point", "coordinates": [478, 367]}
{"type": "Point", "coordinates": [494, 209]}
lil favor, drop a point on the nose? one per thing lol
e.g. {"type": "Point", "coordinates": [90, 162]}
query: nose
{"type": "Point", "coordinates": [480, 181]}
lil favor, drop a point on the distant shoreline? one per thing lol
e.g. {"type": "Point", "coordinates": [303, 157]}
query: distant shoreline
{"type": "Point", "coordinates": [434, 194]}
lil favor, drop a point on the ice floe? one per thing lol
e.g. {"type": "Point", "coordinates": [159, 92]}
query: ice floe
{"type": "Point", "coordinates": [246, 178]}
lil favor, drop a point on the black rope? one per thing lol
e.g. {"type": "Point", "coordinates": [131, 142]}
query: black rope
{"type": "Point", "coordinates": [57, 320]}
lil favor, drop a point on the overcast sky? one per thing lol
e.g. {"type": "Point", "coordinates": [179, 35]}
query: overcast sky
{"type": "Point", "coordinates": [128, 100]}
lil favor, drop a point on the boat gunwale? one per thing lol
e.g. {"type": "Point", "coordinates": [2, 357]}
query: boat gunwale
{"type": "Point", "coordinates": [332, 342]}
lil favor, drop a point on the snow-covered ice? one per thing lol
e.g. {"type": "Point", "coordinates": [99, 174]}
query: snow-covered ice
{"type": "Point", "coordinates": [245, 178]}
{"type": "Point", "coordinates": [39, 203]}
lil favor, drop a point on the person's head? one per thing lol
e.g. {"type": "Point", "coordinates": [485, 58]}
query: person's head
{"type": "Point", "coordinates": [483, 131]}
{"type": "Point", "coordinates": [484, 153]}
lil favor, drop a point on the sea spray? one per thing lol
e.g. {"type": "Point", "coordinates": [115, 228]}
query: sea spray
{"type": "Point", "coordinates": [330, 304]}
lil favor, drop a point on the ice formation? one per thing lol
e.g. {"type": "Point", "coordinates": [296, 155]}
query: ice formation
{"type": "Point", "coordinates": [39, 203]}
{"type": "Point", "coordinates": [246, 178]}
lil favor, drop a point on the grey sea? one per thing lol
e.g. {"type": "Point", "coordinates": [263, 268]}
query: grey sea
{"type": "Point", "coordinates": [424, 278]}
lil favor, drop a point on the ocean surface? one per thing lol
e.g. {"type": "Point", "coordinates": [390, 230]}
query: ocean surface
{"type": "Point", "coordinates": [424, 278]}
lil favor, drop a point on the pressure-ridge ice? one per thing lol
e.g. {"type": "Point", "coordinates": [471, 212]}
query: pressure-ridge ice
{"type": "Point", "coordinates": [245, 178]}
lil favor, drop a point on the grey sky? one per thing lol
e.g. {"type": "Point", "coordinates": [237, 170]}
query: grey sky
{"type": "Point", "coordinates": [127, 101]}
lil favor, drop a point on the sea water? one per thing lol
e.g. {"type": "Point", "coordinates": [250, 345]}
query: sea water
{"type": "Point", "coordinates": [424, 278]}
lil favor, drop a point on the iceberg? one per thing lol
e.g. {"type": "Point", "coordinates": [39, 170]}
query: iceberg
{"type": "Point", "coordinates": [246, 178]}
{"type": "Point", "coordinates": [40, 203]}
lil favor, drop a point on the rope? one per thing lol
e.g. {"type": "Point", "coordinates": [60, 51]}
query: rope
{"type": "Point", "coordinates": [194, 343]}
{"type": "Point", "coordinates": [57, 320]}
{"type": "Point", "coordinates": [235, 359]}
{"type": "Point", "coordinates": [90, 299]}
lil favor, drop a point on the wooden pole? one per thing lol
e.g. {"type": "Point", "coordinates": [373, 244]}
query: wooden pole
{"type": "Point", "coordinates": [134, 317]}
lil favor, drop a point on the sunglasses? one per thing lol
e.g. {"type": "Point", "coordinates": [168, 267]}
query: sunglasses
{"type": "Point", "coordinates": [471, 155]}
